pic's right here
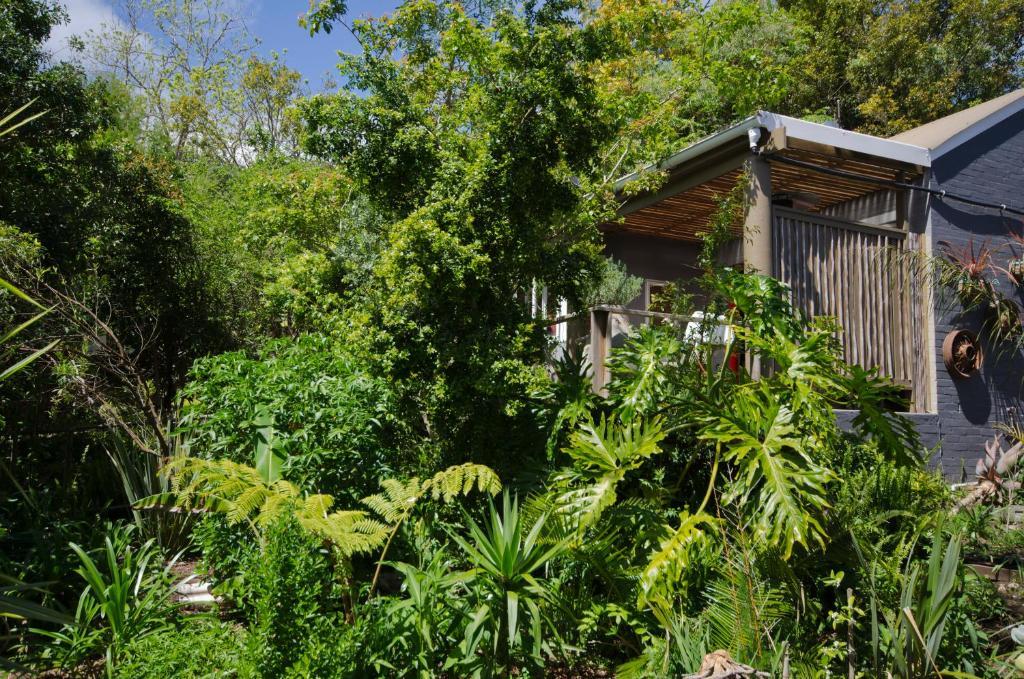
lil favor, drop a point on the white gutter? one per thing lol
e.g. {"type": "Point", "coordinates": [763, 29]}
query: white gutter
{"type": "Point", "coordinates": [845, 139]}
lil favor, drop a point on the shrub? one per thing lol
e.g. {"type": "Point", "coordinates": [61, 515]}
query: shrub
{"type": "Point", "coordinates": [226, 549]}
{"type": "Point", "coordinates": [294, 595]}
{"type": "Point", "coordinates": [198, 647]}
{"type": "Point", "coordinates": [329, 419]}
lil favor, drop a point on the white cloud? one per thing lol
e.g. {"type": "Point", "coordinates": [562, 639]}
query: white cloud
{"type": "Point", "coordinates": [85, 16]}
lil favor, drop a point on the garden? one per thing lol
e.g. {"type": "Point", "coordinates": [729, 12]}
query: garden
{"type": "Point", "coordinates": [274, 401]}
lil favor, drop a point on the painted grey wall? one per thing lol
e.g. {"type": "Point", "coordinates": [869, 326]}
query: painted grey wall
{"type": "Point", "coordinates": [986, 168]}
{"type": "Point", "coordinates": [652, 258]}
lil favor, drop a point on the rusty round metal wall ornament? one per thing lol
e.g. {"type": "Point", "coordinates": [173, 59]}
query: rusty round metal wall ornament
{"type": "Point", "coordinates": [961, 351]}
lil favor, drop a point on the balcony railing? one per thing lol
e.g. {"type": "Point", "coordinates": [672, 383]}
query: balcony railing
{"type": "Point", "coordinates": [600, 328]}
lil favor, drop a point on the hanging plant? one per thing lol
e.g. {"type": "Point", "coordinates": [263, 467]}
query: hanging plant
{"type": "Point", "coordinates": [1015, 271]}
{"type": "Point", "coordinates": [964, 269]}
{"type": "Point", "coordinates": [1005, 319]}
{"type": "Point", "coordinates": [1015, 267]}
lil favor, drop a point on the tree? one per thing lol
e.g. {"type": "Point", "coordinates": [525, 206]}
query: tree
{"type": "Point", "coordinates": [91, 228]}
{"type": "Point", "coordinates": [471, 147]}
{"type": "Point", "coordinates": [697, 68]}
{"type": "Point", "coordinates": [203, 87]}
{"type": "Point", "coordinates": [281, 240]}
{"type": "Point", "coordinates": [883, 66]}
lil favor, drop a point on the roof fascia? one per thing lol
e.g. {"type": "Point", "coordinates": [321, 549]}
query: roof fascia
{"type": "Point", "coordinates": [980, 126]}
{"type": "Point", "coordinates": [695, 150]}
{"type": "Point", "coordinates": [814, 133]}
{"type": "Point", "coordinates": [856, 142]}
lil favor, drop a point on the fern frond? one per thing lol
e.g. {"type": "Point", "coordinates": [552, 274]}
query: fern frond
{"type": "Point", "coordinates": [349, 531]}
{"type": "Point", "coordinates": [397, 500]}
{"type": "Point", "coordinates": [453, 482]}
{"type": "Point", "coordinates": [317, 504]}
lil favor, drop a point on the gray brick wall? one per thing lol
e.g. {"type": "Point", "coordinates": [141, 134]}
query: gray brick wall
{"type": "Point", "coordinates": [927, 425]}
{"type": "Point", "coordinates": [987, 168]}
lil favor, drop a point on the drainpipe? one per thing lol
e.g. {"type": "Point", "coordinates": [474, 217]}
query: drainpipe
{"type": "Point", "coordinates": [757, 225]}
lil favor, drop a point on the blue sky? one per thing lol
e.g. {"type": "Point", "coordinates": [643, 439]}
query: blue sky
{"type": "Point", "coordinates": [274, 22]}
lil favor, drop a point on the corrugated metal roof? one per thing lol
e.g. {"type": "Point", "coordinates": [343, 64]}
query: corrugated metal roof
{"type": "Point", "coordinates": [947, 133]}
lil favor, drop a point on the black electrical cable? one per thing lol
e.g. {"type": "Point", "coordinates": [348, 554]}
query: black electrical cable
{"type": "Point", "coordinates": [888, 182]}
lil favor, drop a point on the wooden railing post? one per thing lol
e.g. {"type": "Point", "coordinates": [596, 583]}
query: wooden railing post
{"type": "Point", "coordinates": [600, 345]}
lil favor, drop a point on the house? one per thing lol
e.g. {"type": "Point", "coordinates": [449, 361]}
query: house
{"type": "Point", "coordinates": [842, 217]}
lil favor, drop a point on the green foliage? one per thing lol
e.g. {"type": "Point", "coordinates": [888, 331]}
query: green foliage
{"type": "Point", "coordinates": [777, 473]}
{"type": "Point", "coordinates": [876, 66]}
{"type": "Point", "coordinates": [10, 365]}
{"type": "Point", "coordinates": [260, 498]}
{"type": "Point", "coordinates": [567, 399]}
{"type": "Point", "coordinates": [602, 454]}
{"type": "Point", "coordinates": [197, 647]}
{"type": "Point", "coordinates": [399, 499]}
{"type": "Point", "coordinates": [225, 550]}
{"type": "Point", "coordinates": [243, 495]}
{"type": "Point", "coordinates": [506, 556]}
{"type": "Point", "coordinates": [906, 63]}
{"type": "Point", "coordinates": [379, 304]}
{"type": "Point", "coordinates": [472, 146]}
{"type": "Point", "coordinates": [640, 378]}
{"type": "Point", "coordinates": [745, 611]}
{"type": "Point", "coordinates": [295, 594]}
{"type": "Point", "coordinates": [912, 637]}
{"type": "Point", "coordinates": [330, 422]}
{"type": "Point", "coordinates": [669, 565]}
{"type": "Point", "coordinates": [194, 72]}
{"type": "Point", "coordinates": [282, 240]}
{"type": "Point", "coordinates": [126, 598]}
{"type": "Point", "coordinates": [429, 613]}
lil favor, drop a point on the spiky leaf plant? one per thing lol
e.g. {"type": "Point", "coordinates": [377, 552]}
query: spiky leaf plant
{"type": "Point", "coordinates": [506, 557]}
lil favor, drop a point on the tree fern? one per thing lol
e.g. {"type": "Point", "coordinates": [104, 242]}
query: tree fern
{"type": "Point", "coordinates": [399, 498]}
{"type": "Point", "coordinates": [241, 494]}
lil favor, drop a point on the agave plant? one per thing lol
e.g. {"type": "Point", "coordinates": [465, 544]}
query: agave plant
{"type": "Point", "coordinates": [512, 599]}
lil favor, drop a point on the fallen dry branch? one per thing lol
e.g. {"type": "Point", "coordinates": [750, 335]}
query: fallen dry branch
{"type": "Point", "coordinates": [719, 665]}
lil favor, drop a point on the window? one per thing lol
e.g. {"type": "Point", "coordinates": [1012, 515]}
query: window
{"type": "Point", "coordinates": [654, 296]}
